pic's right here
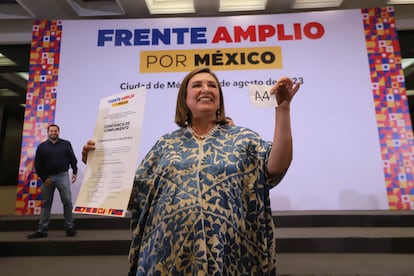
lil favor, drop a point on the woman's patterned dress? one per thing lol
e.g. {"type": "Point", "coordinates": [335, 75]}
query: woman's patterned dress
{"type": "Point", "coordinates": [201, 207]}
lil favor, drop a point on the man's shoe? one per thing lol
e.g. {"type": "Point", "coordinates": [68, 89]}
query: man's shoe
{"type": "Point", "coordinates": [71, 232]}
{"type": "Point", "coordinates": [37, 235]}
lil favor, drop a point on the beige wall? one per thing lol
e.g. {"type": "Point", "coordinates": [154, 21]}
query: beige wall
{"type": "Point", "coordinates": [7, 200]}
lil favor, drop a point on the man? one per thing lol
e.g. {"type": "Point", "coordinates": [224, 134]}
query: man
{"type": "Point", "coordinates": [52, 161]}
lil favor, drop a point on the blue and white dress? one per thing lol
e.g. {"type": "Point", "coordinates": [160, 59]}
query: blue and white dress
{"type": "Point", "coordinates": [201, 207]}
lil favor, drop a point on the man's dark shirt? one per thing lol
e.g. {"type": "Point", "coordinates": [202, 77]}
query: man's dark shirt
{"type": "Point", "coordinates": [53, 158]}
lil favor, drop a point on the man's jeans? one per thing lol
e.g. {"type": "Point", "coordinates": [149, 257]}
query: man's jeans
{"type": "Point", "coordinates": [62, 183]}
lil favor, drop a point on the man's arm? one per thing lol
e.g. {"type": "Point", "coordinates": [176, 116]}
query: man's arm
{"type": "Point", "coordinates": [39, 163]}
{"type": "Point", "coordinates": [73, 163]}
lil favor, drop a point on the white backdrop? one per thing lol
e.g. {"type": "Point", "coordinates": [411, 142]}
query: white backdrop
{"type": "Point", "coordinates": [337, 162]}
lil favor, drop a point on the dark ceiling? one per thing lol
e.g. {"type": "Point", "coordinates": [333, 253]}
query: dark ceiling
{"type": "Point", "coordinates": [20, 54]}
{"type": "Point", "coordinates": [406, 39]}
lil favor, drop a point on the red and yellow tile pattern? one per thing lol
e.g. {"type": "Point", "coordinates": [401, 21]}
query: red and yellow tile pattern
{"type": "Point", "coordinates": [40, 109]}
{"type": "Point", "coordinates": [391, 106]}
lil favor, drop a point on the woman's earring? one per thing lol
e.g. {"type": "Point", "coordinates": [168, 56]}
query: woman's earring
{"type": "Point", "coordinates": [187, 119]}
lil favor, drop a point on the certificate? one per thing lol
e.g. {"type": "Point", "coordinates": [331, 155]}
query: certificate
{"type": "Point", "coordinates": [110, 170]}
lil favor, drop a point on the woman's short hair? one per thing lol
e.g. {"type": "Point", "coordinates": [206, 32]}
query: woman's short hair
{"type": "Point", "coordinates": [182, 112]}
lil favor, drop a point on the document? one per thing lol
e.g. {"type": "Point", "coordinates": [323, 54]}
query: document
{"type": "Point", "coordinates": [110, 169]}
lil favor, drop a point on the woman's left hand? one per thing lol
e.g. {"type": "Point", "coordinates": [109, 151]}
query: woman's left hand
{"type": "Point", "coordinates": [284, 91]}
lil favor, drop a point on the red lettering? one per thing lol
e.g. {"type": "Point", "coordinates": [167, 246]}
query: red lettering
{"type": "Point", "coordinates": [253, 33]}
{"type": "Point", "coordinates": [281, 33]}
{"type": "Point", "coordinates": [221, 35]}
{"type": "Point", "coordinates": [319, 30]}
{"type": "Point", "coordinates": [240, 33]}
{"type": "Point", "coordinates": [297, 31]}
{"type": "Point", "coordinates": [266, 31]}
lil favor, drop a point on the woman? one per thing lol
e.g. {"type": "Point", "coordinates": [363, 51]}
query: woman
{"type": "Point", "coordinates": [200, 202]}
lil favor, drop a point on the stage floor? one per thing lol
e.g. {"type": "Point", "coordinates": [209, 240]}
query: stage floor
{"type": "Point", "coordinates": [288, 265]}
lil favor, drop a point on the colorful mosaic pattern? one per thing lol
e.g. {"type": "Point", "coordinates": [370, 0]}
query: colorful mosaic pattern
{"type": "Point", "coordinates": [40, 110]}
{"type": "Point", "coordinates": [391, 106]}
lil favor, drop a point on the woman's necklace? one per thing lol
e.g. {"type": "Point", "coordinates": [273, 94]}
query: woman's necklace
{"type": "Point", "coordinates": [202, 137]}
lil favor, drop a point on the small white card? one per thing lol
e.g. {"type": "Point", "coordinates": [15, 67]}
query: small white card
{"type": "Point", "coordinates": [261, 97]}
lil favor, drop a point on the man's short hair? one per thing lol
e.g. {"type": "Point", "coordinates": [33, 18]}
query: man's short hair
{"type": "Point", "coordinates": [52, 125]}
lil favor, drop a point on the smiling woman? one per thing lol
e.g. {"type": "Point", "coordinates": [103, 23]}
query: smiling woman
{"type": "Point", "coordinates": [200, 201]}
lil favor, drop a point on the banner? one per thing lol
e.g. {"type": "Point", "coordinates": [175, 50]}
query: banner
{"type": "Point", "coordinates": [352, 134]}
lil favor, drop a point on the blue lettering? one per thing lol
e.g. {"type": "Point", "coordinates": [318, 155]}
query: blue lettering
{"type": "Point", "coordinates": [145, 37]}
{"type": "Point", "coordinates": [198, 36]}
{"type": "Point", "coordinates": [123, 37]}
{"type": "Point", "coordinates": [164, 37]}
{"type": "Point", "coordinates": [141, 37]}
{"type": "Point", "coordinates": [104, 35]}
{"type": "Point", "coordinates": [180, 34]}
